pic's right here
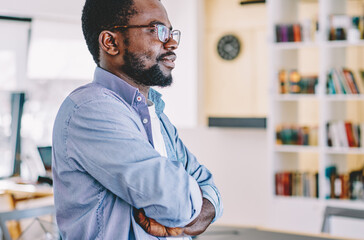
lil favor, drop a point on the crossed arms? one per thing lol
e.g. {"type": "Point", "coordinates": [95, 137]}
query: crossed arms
{"type": "Point", "coordinates": [196, 227]}
{"type": "Point", "coordinates": [167, 191]}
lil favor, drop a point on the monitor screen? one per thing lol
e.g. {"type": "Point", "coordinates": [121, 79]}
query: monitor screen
{"type": "Point", "coordinates": [46, 156]}
{"type": "Point", "coordinates": [11, 109]}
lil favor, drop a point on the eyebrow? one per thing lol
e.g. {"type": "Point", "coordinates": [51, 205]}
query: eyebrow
{"type": "Point", "coordinates": [158, 22]}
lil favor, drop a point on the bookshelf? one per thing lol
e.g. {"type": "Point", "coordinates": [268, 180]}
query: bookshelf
{"type": "Point", "coordinates": [310, 52]}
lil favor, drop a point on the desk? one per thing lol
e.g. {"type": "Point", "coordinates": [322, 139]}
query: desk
{"type": "Point", "coordinates": [15, 191]}
{"type": "Point", "coordinates": [245, 233]}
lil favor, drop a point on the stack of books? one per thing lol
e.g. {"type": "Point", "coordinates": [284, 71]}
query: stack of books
{"type": "Point", "coordinates": [345, 134]}
{"type": "Point", "coordinates": [304, 184]}
{"type": "Point", "coordinates": [291, 81]}
{"type": "Point", "coordinates": [296, 135]}
{"type": "Point", "coordinates": [343, 81]}
{"type": "Point", "coordinates": [297, 32]}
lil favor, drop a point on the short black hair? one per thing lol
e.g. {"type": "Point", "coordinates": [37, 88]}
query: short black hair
{"type": "Point", "coordinates": [100, 15]}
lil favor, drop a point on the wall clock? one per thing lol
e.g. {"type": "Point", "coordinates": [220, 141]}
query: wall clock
{"type": "Point", "coordinates": [228, 47]}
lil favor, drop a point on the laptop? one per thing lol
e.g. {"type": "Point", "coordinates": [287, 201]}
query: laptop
{"type": "Point", "coordinates": [45, 153]}
{"type": "Point", "coordinates": [46, 156]}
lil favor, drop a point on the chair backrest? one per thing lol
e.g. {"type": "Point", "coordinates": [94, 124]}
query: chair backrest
{"type": "Point", "coordinates": [339, 212]}
{"type": "Point", "coordinates": [22, 214]}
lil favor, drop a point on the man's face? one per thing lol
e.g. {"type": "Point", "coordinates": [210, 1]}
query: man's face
{"type": "Point", "coordinates": [148, 61]}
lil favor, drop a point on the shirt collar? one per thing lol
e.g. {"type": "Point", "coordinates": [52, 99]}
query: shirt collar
{"type": "Point", "coordinates": [156, 98]}
{"type": "Point", "coordinates": [125, 90]}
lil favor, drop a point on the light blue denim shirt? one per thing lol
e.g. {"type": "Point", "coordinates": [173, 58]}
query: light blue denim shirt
{"type": "Point", "coordinates": [104, 165]}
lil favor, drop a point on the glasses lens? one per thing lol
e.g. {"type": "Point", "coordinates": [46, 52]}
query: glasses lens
{"type": "Point", "coordinates": [163, 33]}
{"type": "Point", "coordinates": [176, 35]}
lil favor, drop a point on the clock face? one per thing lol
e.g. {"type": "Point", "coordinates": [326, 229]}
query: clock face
{"type": "Point", "coordinates": [228, 47]}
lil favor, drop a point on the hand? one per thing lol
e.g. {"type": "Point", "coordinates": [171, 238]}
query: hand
{"type": "Point", "coordinates": [154, 228]}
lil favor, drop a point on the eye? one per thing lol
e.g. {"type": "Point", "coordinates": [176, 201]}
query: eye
{"type": "Point", "coordinates": [153, 30]}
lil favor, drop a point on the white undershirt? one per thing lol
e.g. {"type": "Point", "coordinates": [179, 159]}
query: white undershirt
{"type": "Point", "coordinates": [158, 141]}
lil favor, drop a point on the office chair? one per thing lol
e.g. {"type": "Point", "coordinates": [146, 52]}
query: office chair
{"type": "Point", "coordinates": [48, 228]}
{"type": "Point", "coordinates": [339, 212]}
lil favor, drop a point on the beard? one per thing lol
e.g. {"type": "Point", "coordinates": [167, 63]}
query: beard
{"type": "Point", "coordinates": [153, 76]}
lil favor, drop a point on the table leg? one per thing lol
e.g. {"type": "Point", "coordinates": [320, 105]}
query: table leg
{"type": "Point", "coordinates": [13, 226]}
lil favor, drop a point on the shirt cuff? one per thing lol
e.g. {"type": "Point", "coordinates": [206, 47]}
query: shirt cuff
{"type": "Point", "coordinates": [214, 197]}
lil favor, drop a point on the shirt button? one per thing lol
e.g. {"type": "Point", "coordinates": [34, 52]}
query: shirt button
{"type": "Point", "coordinates": [145, 120]}
{"type": "Point", "coordinates": [139, 98]}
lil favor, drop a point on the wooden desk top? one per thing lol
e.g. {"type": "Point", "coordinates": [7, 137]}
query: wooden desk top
{"type": "Point", "coordinates": [17, 187]}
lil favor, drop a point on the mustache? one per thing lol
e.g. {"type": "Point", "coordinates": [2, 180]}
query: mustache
{"type": "Point", "coordinates": [165, 55]}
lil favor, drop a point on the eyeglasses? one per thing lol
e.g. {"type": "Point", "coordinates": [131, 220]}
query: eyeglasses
{"type": "Point", "coordinates": [164, 33]}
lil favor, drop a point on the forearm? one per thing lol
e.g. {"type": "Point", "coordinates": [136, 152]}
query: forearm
{"type": "Point", "coordinates": [200, 224]}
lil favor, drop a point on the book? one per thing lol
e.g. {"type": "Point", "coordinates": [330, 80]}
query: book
{"type": "Point", "coordinates": [350, 134]}
{"type": "Point", "coordinates": [278, 184]}
{"type": "Point", "coordinates": [287, 183]}
{"type": "Point", "coordinates": [355, 82]}
{"type": "Point", "coordinates": [334, 133]}
{"type": "Point", "coordinates": [330, 84]}
{"type": "Point", "coordinates": [343, 82]}
{"type": "Point", "coordinates": [359, 82]}
{"type": "Point", "coordinates": [328, 135]}
{"type": "Point", "coordinates": [312, 184]}
{"type": "Point", "coordinates": [284, 33]}
{"type": "Point", "coordinates": [290, 33]}
{"type": "Point", "coordinates": [278, 33]}
{"type": "Point", "coordinates": [305, 137]}
{"type": "Point", "coordinates": [340, 133]}
{"type": "Point", "coordinates": [336, 82]}
{"type": "Point", "coordinates": [361, 134]}
{"type": "Point", "coordinates": [349, 81]}
{"type": "Point", "coordinates": [355, 130]}
{"type": "Point", "coordinates": [297, 33]}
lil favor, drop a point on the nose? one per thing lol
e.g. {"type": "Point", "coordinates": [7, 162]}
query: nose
{"type": "Point", "coordinates": [171, 44]}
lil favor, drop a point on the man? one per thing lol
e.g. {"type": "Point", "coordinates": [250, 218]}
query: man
{"type": "Point", "coordinates": [120, 169]}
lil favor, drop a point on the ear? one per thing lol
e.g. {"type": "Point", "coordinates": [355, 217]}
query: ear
{"type": "Point", "coordinates": [109, 43]}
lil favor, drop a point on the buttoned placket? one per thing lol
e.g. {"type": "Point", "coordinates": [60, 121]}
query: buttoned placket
{"type": "Point", "coordinates": [142, 108]}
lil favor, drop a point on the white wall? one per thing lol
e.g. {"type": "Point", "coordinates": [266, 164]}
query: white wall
{"type": "Point", "coordinates": [238, 160]}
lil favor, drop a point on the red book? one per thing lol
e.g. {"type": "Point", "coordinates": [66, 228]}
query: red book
{"type": "Point", "coordinates": [350, 81]}
{"type": "Point", "coordinates": [287, 184]}
{"type": "Point", "coordinates": [350, 134]}
{"type": "Point", "coordinates": [279, 184]}
{"type": "Point", "coordinates": [297, 33]}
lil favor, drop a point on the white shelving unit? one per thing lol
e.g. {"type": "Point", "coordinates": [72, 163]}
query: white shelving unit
{"type": "Point", "coordinates": [316, 56]}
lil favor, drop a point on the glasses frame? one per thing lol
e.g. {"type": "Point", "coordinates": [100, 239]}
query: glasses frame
{"type": "Point", "coordinates": [171, 32]}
